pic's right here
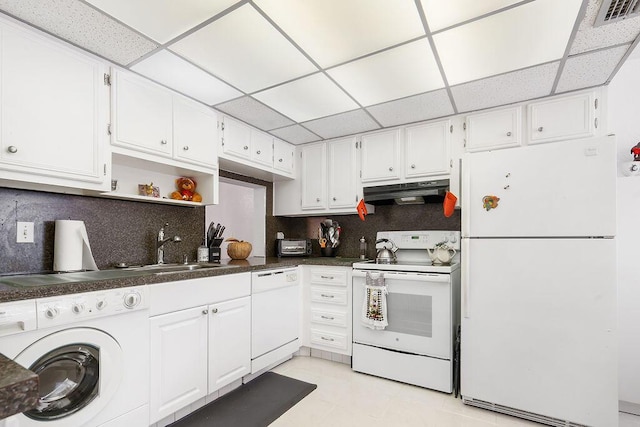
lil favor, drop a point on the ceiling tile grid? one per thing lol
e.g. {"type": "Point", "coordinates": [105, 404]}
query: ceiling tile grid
{"type": "Point", "coordinates": [170, 70]}
{"type": "Point", "coordinates": [348, 123]}
{"type": "Point", "coordinates": [590, 69]}
{"type": "Point", "coordinates": [295, 134]}
{"type": "Point", "coordinates": [508, 88]}
{"type": "Point", "coordinates": [245, 50]}
{"type": "Point", "coordinates": [276, 64]}
{"type": "Point", "coordinates": [251, 111]}
{"type": "Point", "coordinates": [83, 26]}
{"type": "Point", "coordinates": [591, 38]}
{"type": "Point", "coordinates": [413, 109]}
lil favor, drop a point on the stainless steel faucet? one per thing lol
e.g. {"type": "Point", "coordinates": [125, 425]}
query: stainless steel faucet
{"type": "Point", "coordinates": [160, 243]}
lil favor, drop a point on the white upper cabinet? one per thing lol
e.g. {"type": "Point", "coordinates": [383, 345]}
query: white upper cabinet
{"type": "Point", "coordinates": [54, 106]}
{"type": "Point", "coordinates": [561, 118]}
{"type": "Point", "coordinates": [343, 166]}
{"type": "Point", "coordinates": [314, 176]}
{"type": "Point", "coordinates": [283, 156]}
{"type": "Point", "coordinates": [235, 138]}
{"type": "Point", "coordinates": [427, 149]}
{"type": "Point", "coordinates": [195, 131]}
{"type": "Point", "coordinates": [494, 129]}
{"type": "Point", "coordinates": [142, 115]}
{"type": "Point", "coordinates": [261, 148]}
{"type": "Point", "coordinates": [381, 156]}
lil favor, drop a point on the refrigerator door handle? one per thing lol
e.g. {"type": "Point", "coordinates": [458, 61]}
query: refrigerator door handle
{"type": "Point", "coordinates": [464, 272]}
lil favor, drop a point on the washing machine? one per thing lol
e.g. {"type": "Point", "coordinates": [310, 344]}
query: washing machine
{"type": "Point", "coordinates": [91, 353]}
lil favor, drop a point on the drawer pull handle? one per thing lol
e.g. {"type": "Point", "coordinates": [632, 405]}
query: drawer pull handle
{"type": "Point", "coordinates": [214, 310]}
{"type": "Point", "coordinates": [328, 317]}
{"type": "Point", "coordinates": [327, 296]}
{"type": "Point", "coordinates": [327, 339]}
{"type": "Point", "coordinates": [327, 277]}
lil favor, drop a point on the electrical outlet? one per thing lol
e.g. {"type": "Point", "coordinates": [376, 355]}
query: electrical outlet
{"type": "Point", "coordinates": [25, 232]}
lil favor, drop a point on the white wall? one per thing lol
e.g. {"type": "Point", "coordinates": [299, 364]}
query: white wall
{"type": "Point", "coordinates": [242, 210]}
{"type": "Point", "coordinates": [624, 121]}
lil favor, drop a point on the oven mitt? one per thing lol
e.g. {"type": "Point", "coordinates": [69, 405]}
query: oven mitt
{"type": "Point", "coordinates": [362, 209]}
{"type": "Point", "coordinates": [449, 204]}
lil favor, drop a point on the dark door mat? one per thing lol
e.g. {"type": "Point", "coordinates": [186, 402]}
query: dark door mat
{"type": "Point", "coordinates": [255, 404]}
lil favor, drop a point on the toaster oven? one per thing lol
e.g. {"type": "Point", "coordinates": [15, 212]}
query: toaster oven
{"type": "Point", "coordinates": [293, 247]}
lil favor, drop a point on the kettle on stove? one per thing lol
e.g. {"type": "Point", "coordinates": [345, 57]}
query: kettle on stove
{"type": "Point", "coordinates": [386, 255]}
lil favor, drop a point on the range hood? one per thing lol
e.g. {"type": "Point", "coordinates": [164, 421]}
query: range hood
{"type": "Point", "coordinates": [413, 193]}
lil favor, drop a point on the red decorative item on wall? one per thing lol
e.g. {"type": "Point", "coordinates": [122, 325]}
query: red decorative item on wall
{"type": "Point", "coordinates": [635, 150]}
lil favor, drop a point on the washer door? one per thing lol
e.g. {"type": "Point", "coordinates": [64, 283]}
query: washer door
{"type": "Point", "coordinates": [79, 371]}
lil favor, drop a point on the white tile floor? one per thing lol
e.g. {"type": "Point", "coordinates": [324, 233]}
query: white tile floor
{"type": "Point", "coordinates": [347, 398]}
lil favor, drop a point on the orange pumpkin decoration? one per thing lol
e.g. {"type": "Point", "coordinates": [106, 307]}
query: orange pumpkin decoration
{"type": "Point", "coordinates": [238, 249]}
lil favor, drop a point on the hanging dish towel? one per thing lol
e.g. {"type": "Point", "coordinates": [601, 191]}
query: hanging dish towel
{"type": "Point", "coordinates": [374, 307]}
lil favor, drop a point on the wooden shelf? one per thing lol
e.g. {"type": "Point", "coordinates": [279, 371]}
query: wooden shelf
{"type": "Point", "coordinates": [147, 199]}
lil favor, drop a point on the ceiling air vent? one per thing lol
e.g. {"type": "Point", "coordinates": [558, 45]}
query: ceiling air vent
{"type": "Point", "coordinates": [616, 10]}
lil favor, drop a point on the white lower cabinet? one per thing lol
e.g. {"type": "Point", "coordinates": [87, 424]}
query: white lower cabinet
{"type": "Point", "coordinates": [195, 351]}
{"type": "Point", "coordinates": [327, 308]}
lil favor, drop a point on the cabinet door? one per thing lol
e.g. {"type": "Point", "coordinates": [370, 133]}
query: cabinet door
{"type": "Point", "coordinates": [283, 153]}
{"type": "Point", "coordinates": [262, 148]}
{"type": "Point", "coordinates": [143, 115]}
{"type": "Point", "coordinates": [229, 342]}
{"type": "Point", "coordinates": [427, 149]}
{"type": "Point", "coordinates": [236, 138]}
{"type": "Point", "coordinates": [563, 118]}
{"type": "Point", "coordinates": [494, 129]}
{"type": "Point", "coordinates": [178, 360]}
{"type": "Point", "coordinates": [314, 176]}
{"type": "Point", "coordinates": [52, 100]}
{"type": "Point", "coordinates": [195, 131]}
{"type": "Point", "coordinates": [343, 169]}
{"type": "Point", "coordinates": [381, 156]}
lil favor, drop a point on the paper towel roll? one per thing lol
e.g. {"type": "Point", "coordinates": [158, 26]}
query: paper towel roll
{"type": "Point", "coordinates": [71, 250]}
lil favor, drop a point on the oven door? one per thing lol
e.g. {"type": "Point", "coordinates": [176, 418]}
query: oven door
{"type": "Point", "coordinates": [418, 313]}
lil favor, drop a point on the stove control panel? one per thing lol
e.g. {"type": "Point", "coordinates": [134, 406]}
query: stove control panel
{"type": "Point", "coordinates": [420, 239]}
{"type": "Point", "coordinates": [78, 307]}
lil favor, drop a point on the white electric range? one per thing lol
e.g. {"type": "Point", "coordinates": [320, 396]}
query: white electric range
{"type": "Point", "coordinates": [422, 301]}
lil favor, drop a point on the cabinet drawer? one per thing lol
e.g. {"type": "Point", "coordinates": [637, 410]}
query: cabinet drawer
{"type": "Point", "coordinates": [326, 317]}
{"type": "Point", "coordinates": [330, 296]}
{"type": "Point", "coordinates": [328, 339]}
{"type": "Point", "coordinates": [329, 277]}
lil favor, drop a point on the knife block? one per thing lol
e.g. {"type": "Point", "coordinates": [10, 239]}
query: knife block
{"type": "Point", "coordinates": [214, 254]}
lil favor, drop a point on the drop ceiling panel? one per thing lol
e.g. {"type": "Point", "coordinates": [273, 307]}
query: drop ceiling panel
{"type": "Point", "coordinates": [442, 14]}
{"type": "Point", "coordinates": [530, 83]}
{"type": "Point", "coordinates": [342, 124]}
{"type": "Point", "coordinates": [245, 50]}
{"type": "Point", "coordinates": [162, 20]}
{"type": "Point", "coordinates": [590, 38]}
{"type": "Point", "coordinates": [83, 26]}
{"type": "Point", "coordinates": [590, 69]}
{"type": "Point", "coordinates": [334, 31]}
{"type": "Point", "coordinates": [392, 74]}
{"type": "Point", "coordinates": [174, 72]}
{"type": "Point", "coordinates": [413, 109]}
{"type": "Point", "coordinates": [295, 134]}
{"type": "Point", "coordinates": [307, 98]}
{"type": "Point", "coordinates": [251, 111]}
{"type": "Point", "coordinates": [534, 33]}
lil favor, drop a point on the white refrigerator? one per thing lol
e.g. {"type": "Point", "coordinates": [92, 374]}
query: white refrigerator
{"type": "Point", "coordinates": [538, 336]}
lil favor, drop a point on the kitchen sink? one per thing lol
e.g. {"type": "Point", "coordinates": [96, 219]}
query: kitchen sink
{"type": "Point", "coordinates": [176, 268]}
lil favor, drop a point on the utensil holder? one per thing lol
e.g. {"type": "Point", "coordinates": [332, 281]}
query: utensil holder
{"type": "Point", "coordinates": [328, 251]}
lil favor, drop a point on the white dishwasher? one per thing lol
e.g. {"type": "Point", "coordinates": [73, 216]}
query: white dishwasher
{"type": "Point", "coordinates": [275, 314]}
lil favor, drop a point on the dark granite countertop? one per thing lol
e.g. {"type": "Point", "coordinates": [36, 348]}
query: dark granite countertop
{"type": "Point", "coordinates": [10, 292]}
{"type": "Point", "coordinates": [18, 388]}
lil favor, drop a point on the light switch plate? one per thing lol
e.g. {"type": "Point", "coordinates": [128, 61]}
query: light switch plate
{"type": "Point", "coordinates": [24, 232]}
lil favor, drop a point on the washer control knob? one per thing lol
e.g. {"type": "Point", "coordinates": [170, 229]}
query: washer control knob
{"type": "Point", "coordinates": [51, 312]}
{"type": "Point", "coordinates": [101, 304]}
{"type": "Point", "coordinates": [131, 299]}
{"type": "Point", "coordinates": [77, 308]}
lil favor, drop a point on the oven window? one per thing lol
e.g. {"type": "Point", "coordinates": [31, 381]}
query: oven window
{"type": "Point", "coordinates": [68, 381]}
{"type": "Point", "coordinates": [410, 314]}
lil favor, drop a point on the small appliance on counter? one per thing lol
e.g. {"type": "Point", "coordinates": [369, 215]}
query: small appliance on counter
{"type": "Point", "coordinates": [214, 240]}
{"type": "Point", "coordinates": [293, 247]}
